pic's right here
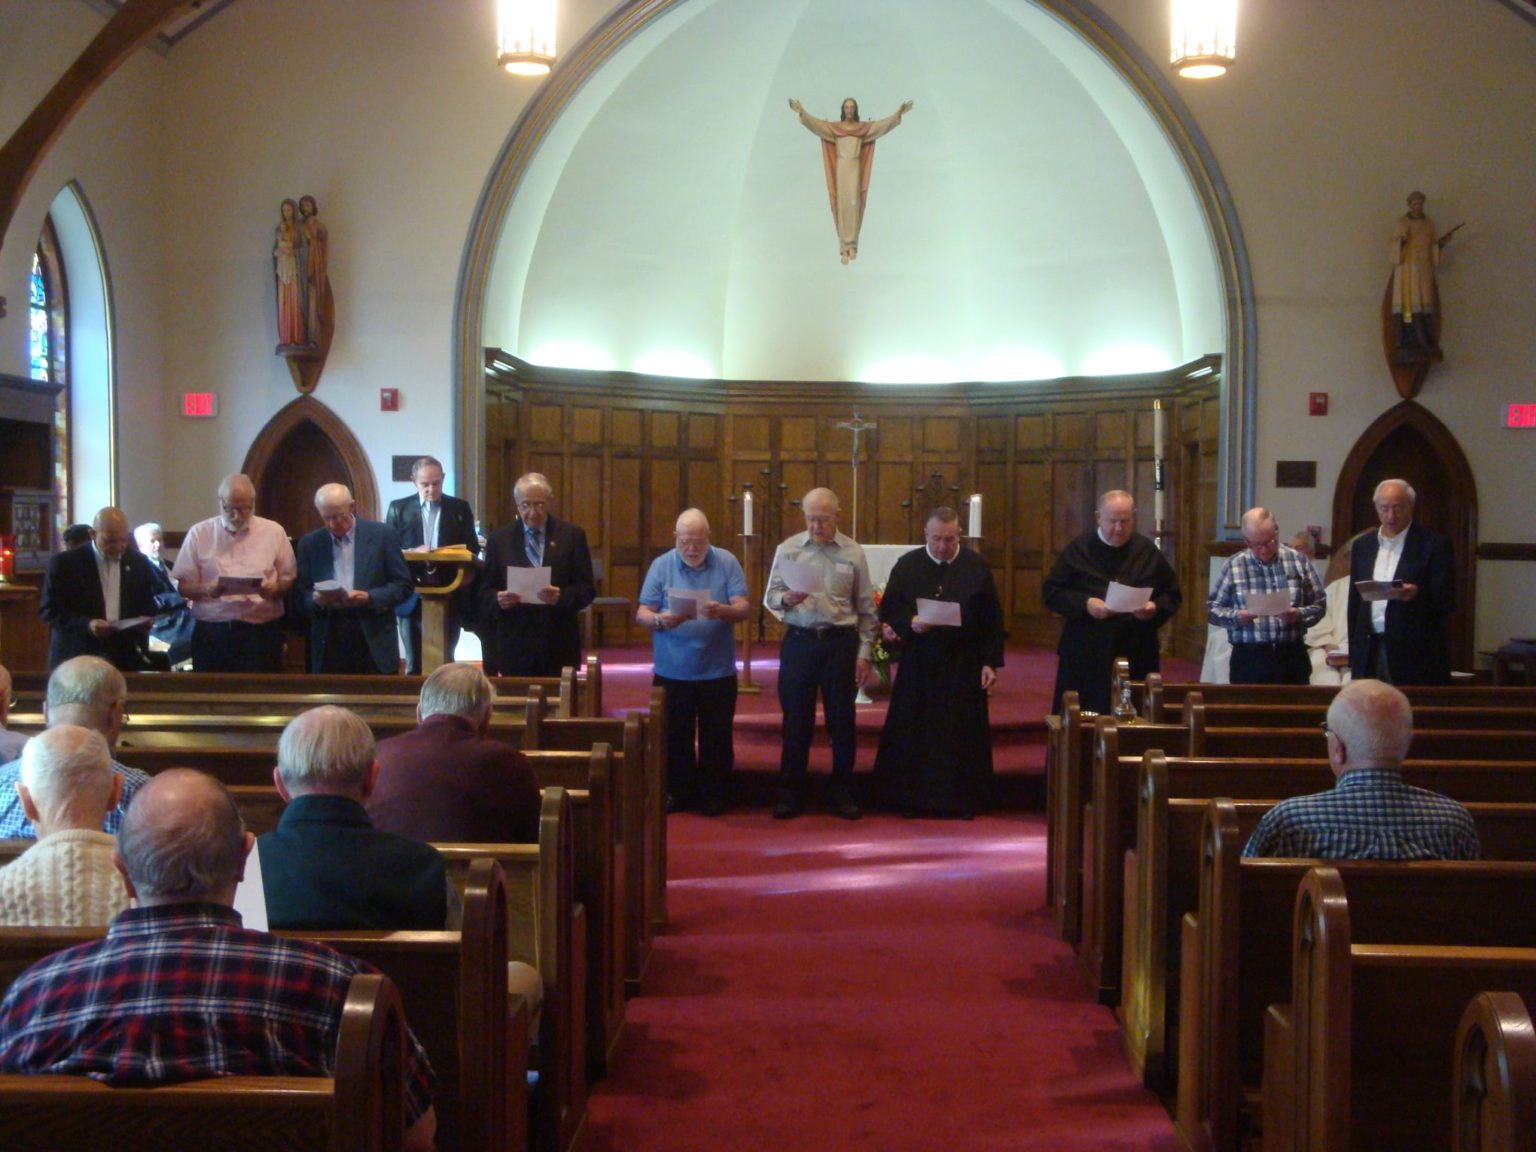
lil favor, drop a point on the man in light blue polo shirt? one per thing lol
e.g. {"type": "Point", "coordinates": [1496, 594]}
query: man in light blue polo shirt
{"type": "Point", "coordinates": [691, 600]}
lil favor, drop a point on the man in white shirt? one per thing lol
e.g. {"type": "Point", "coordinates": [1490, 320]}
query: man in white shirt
{"type": "Point", "coordinates": [234, 570]}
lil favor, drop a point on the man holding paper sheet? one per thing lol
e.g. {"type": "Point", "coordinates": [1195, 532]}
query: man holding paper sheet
{"type": "Point", "coordinates": [819, 586]}
{"type": "Point", "coordinates": [691, 600]}
{"type": "Point", "coordinates": [426, 521]}
{"type": "Point", "coordinates": [941, 607]}
{"type": "Point", "coordinates": [1105, 622]}
{"type": "Point", "coordinates": [536, 631]}
{"type": "Point", "coordinates": [1399, 635]}
{"type": "Point", "coordinates": [236, 631]}
{"type": "Point", "coordinates": [1266, 597]}
{"type": "Point", "coordinates": [99, 599]}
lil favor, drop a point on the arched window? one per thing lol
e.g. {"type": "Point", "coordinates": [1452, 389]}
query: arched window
{"type": "Point", "coordinates": [48, 344]}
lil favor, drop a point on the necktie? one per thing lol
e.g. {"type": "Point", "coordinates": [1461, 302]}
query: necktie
{"type": "Point", "coordinates": [429, 524]}
{"type": "Point", "coordinates": [536, 547]}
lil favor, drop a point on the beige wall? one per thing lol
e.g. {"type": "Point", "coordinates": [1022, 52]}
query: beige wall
{"type": "Point", "coordinates": [392, 114]}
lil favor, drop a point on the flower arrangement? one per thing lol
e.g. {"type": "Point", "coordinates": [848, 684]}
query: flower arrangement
{"type": "Point", "coordinates": [881, 656]}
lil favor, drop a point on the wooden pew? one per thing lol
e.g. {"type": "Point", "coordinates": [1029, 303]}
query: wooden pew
{"type": "Point", "coordinates": [1494, 1076]}
{"type": "Point", "coordinates": [1161, 702]}
{"type": "Point", "coordinates": [361, 1110]}
{"type": "Point", "coordinates": [1311, 715]}
{"type": "Point", "coordinates": [1236, 960]}
{"type": "Point", "coordinates": [1435, 744]}
{"type": "Point", "coordinates": [1381, 970]}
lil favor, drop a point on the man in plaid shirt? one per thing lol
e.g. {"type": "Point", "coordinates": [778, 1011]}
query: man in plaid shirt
{"type": "Point", "coordinates": [177, 990]}
{"type": "Point", "coordinates": [1370, 814]}
{"type": "Point", "coordinates": [1268, 641]}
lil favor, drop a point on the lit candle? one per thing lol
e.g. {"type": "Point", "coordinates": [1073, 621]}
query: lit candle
{"type": "Point", "coordinates": [975, 521]}
{"type": "Point", "coordinates": [746, 515]}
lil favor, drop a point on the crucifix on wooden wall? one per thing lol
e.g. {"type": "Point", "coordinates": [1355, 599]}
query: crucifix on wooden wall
{"type": "Point", "coordinates": [858, 427]}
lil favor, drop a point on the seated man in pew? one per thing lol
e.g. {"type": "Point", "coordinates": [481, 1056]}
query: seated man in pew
{"type": "Point", "coordinates": [11, 743]}
{"type": "Point", "coordinates": [447, 781]}
{"type": "Point", "coordinates": [1370, 814]}
{"type": "Point", "coordinates": [325, 865]}
{"type": "Point", "coordinates": [66, 879]}
{"type": "Point", "coordinates": [88, 692]}
{"type": "Point", "coordinates": [210, 997]}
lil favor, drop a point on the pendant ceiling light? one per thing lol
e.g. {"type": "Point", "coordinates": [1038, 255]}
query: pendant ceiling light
{"type": "Point", "coordinates": [525, 36]}
{"type": "Point", "coordinates": [1204, 37]}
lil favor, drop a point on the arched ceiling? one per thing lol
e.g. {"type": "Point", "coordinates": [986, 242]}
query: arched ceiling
{"type": "Point", "coordinates": [1027, 220]}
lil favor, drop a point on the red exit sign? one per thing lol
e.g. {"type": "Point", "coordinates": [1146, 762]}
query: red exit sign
{"type": "Point", "coordinates": [200, 405]}
{"type": "Point", "coordinates": [1520, 416]}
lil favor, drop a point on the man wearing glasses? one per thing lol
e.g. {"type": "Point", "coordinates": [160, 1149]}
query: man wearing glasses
{"type": "Point", "coordinates": [536, 633]}
{"type": "Point", "coordinates": [233, 571]}
{"type": "Point", "coordinates": [1266, 598]}
{"type": "Point", "coordinates": [691, 599]}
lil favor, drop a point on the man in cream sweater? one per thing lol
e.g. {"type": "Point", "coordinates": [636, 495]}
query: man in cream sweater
{"type": "Point", "coordinates": [66, 879]}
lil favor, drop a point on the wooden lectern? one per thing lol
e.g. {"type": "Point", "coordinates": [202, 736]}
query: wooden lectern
{"type": "Point", "coordinates": [434, 602]}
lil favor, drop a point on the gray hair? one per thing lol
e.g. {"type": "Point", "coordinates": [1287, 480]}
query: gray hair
{"type": "Point", "coordinates": [1117, 494]}
{"type": "Point", "coordinates": [187, 845]}
{"type": "Point", "coordinates": [1374, 721]}
{"type": "Point", "coordinates": [457, 690]}
{"type": "Point", "coordinates": [326, 749]}
{"type": "Point", "coordinates": [87, 684]}
{"type": "Point", "coordinates": [425, 462]}
{"type": "Point", "coordinates": [67, 764]}
{"type": "Point", "coordinates": [148, 528]}
{"type": "Point", "coordinates": [1413, 497]}
{"type": "Point", "coordinates": [235, 480]}
{"type": "Point", "coordinates": [532, 480]}
{"type": "Point", "coordinates": [943, 514]}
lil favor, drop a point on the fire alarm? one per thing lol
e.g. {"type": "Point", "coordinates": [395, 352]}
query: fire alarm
{"type": "Point", "coordinates": [1317, 404]}
{"type": "Point", "coordinates": [389, 399]}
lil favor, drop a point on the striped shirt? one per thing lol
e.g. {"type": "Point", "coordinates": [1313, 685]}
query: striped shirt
{"type": "Point", "coordinates": [1242, 576]}
{"type": "Point", "coordinates": [14, 824]}
{"type": "Point", "coordinates": [182, 992]}
{"type": "Point", "coordinates": [1369, 814]}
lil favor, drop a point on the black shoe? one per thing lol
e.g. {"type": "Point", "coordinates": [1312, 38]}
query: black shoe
{"type": "Point", "coordinates": [673, 804]}
{"type": "Point", "coordinates": [714, 806]}
{"type": "Point", "coordinates": [844, 807]}
{"type": "Point", "coordinates": [787, 807]}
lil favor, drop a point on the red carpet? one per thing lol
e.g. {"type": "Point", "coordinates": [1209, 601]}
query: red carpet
{"type": "Point", "coordinates": [886, 985]}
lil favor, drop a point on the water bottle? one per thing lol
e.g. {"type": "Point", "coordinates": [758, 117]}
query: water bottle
{"type": "Point", "coordinates": [1125, 711]}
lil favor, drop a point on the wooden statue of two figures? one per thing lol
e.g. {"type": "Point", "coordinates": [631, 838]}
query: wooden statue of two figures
{"type": "Point", "coordinates": [1410, 310]}
{"type": "Point", "coordinates": [306, 311]}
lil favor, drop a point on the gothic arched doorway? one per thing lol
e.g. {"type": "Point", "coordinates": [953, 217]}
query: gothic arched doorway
{"type": "Point", "coordinates": [304, 446]}
{"type": "Point", "coordinates": [1409, 442]}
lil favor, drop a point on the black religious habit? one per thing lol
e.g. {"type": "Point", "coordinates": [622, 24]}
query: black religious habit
{"type": "Point", "coordinates": [935, 754]}
{"type": "Point", "coordinates": [1089, 647]}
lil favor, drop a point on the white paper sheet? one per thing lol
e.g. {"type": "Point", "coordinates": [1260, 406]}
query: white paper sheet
{"type": "Point", "coordinates": [1379, 589]}
{"type": "Point", "coordinates": [1267, 603]}
{"type": "Point", "coordinates": [131, 622]}
{"type": "Point", "coordinates": [527, 583]}
{"type": "Point", "coordinates": [236, 585]}
{"type": "Point", "coordinates": [942, 613]}
{"type": "Point", "coordinates": [251, 894]}
{"type": "Point", "coordinates": [685, 603]}
{"type": "Point", "coordinates": [801, 577]}
{"type": "Point", "coordinates": [330, 591]}
{"type": "Point", "coordinates": [1124, 598]}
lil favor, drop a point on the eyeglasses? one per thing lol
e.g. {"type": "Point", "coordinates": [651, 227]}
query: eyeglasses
{"type": "Point", "coordinates": [1327, 731]}
{"type": "Point", "coordinates": [532, 505]}
{"type": "Point", "coordinates": [247, 509]}
{"type": "Point", "coordinates": [691, 541]}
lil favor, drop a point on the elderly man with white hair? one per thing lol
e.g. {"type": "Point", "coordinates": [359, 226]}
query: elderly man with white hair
{"type": "Point", "coordinates": [66, 879]}
{"type": "Point", "coordinates": [88, 692]}
{"type": "Point", "coordinates": [1369, 814]}
{"type": "Point", "coordinates": [1268, 640]}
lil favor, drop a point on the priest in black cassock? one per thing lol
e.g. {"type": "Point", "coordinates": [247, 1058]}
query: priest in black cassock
{"type": "Point", "coordinates": [1093, 636]}
{"type": "Point", "coordinates": [935, 754]}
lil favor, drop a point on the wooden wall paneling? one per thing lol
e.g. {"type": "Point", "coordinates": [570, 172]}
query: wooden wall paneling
{"type": "Point", "coordinates": [991, 436]}
{"type": "Point", "coordinates": [587, 426]}
{"type": "Point", "coordinates": [626, 562]}
{"type": "Point", "coordinates": [546, 424]}
{"type": "Point", "coordinates": [1071, 502]}
{"type": "Point", "coordinates": [582, 500]}
{"type": "Point", "coordinates": [703, 432]}
{"type": "Point", "coordinates": [750, 434]}
{"type": "Point", "coordinates": [703, 488]}
{"type": "Point", "coordinates": [626, 429]}
{"type": "Point", "coordinates": [665, 430]}
{"type": "Point", "coordinates": [1070, 431]}
{"type": "Point", "coordinates": [798, 437]}
{"type": "Point", "coordinates": [663, 500]}
{"type": "Point", "coordinates": [941, 434]}
{"type": "Point", "coordinates": [1031, 518]}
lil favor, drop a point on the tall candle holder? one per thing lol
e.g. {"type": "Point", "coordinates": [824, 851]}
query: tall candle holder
{"type": "Point", "coordinates": [758, 506]}
{"type": "Point", "coordinates": [1159, 475]}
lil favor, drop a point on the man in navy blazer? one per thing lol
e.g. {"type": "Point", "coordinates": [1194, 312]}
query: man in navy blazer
{"type": "Point", "coordinates": [361, 578]}
{"type": "Point", "coordinates": [536, 639]}
{"type": "Point", "coordinates": [433, 519]}
{"type": "Point", "coordinates": [87, 589]}
{"type": "Point", "coordinates": [1402, 641]}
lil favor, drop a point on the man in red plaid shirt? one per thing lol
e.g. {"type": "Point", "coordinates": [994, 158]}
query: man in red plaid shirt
{"type": "Point", "coordinates": [177, 989]}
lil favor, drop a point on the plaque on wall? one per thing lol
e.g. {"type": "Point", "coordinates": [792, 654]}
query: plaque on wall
{"type": "Point", "coordinates": [1295, 473]}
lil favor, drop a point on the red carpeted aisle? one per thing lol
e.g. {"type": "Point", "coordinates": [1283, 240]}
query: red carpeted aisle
{"type": "Point", "coordinates": [885, 985]}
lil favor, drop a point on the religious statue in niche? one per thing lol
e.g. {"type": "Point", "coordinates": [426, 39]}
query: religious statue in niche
{"type": "Point", "coordinates": [848, 153]}
{"type": "Point", "coordinates": [1411, 307]}
{"type": "Point", "coordinates": [306, 310]}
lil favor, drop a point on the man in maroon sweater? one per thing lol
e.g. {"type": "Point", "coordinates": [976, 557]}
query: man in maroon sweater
{"type": "Point", "coordinates": [447, 781]}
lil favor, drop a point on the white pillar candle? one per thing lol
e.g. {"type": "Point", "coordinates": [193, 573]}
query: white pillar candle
{"type": "Point", "coordinates": [746, 515]}
{"type": "Point", "coordinates": [975, 519]}
{"type": "Point", "coordinates": [1159, 420]}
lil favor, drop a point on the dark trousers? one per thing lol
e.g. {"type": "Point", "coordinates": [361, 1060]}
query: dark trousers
{"type": "Point", "coordinates": [410, 638]}
{"type": "Point", "coordinates": [808, 664]}
{"type": "Point", "coordinates": [234, 646]}
{"type": "Point", "coordinates": [706, 709]}
{"type": "Point", "coordinates": [1376, 659]}
{"type": "Point", "coordinates": [1271, 663]}
{"type": "Point", "coordinates": [346, 648]}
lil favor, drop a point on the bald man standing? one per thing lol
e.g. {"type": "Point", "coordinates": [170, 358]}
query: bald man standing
{"type": "Point", "coordinates": [352, 577]}
{"type": "Point", "coordinates": [89, 591]}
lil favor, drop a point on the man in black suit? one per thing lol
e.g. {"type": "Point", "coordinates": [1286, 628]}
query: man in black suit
{"type": "Point", "coordinates": [536, 639]}
{"type": "Point", "coordinates": [1401, 640]}
{"type": "Point", "coordinates": [89, 589]}
{"type": "Point", "coordinates": [428, 520]}
{"type": "Point", "coordinates": [174, 625]}
{"type": "Point", "coordinates": [351, 578]}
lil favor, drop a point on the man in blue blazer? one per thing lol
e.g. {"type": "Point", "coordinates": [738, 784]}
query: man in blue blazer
{"type": "Point", "coordinates": [88, 589]}
{"type": "Point", "coordinates": [535, 639]}
{"type": "Point", "coordinates": [1403, 640]}
{"type": "Point", "coordinates": [433, 519]}
{"type": "Point", "coordinates": [351, 578]}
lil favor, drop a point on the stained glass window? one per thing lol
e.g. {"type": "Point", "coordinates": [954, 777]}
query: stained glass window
{"type": "Point", "coordinates": [38, 339]}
